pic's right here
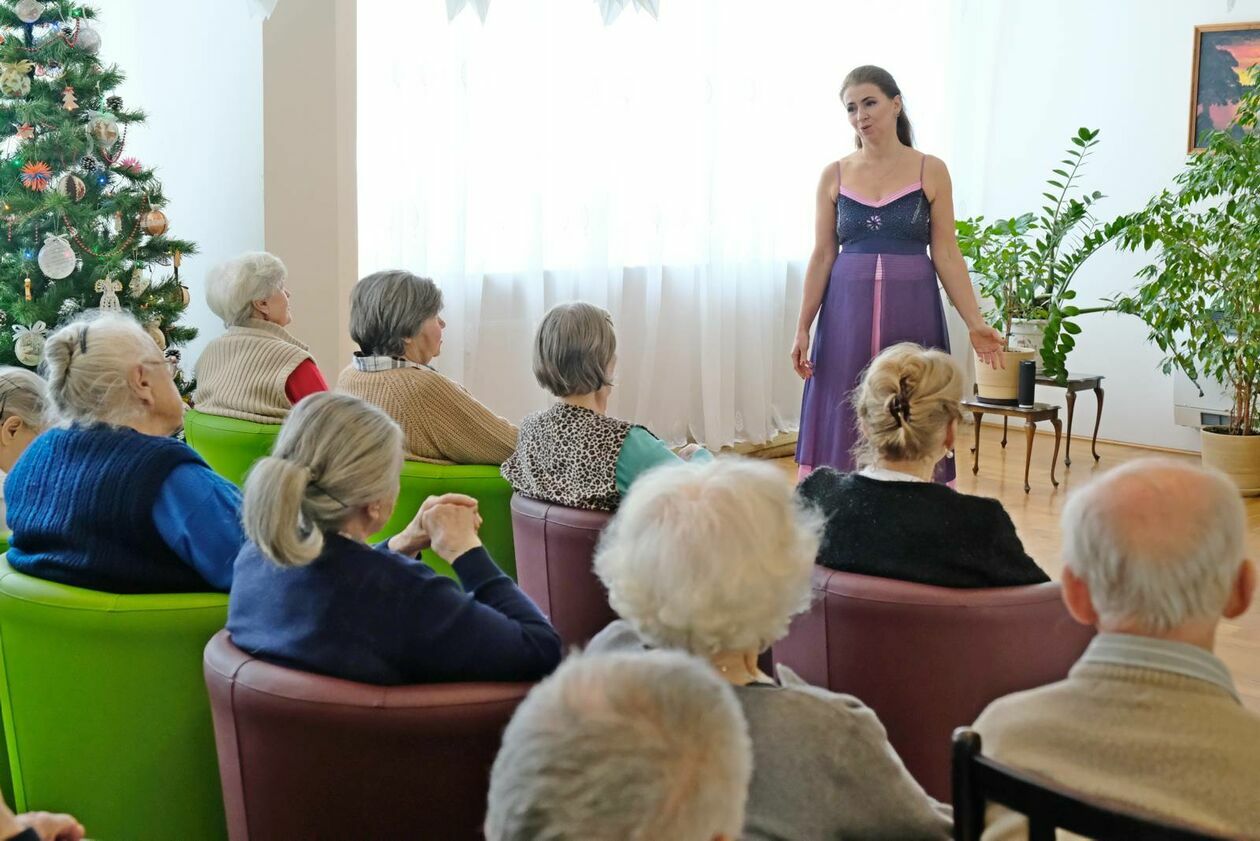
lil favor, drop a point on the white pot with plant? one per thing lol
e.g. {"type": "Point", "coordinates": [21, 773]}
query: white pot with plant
{"type": "Point", "coordinates": [1200, 299]}
{"type": "Point", "coordinates": [1025, 266]}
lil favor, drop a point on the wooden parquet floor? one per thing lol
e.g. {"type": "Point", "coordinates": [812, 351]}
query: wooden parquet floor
{"type": "Point", "coordinates": [1036, 516]}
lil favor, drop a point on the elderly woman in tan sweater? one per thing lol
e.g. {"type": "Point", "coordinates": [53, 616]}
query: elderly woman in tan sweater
{"type": "Point", "coordinates": [257, 370]}
{"type": "Point", "coordinates": [395, 318]}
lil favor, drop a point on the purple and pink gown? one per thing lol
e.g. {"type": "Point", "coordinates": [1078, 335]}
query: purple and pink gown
{"type": "Point", "coordinates": [883, 290]}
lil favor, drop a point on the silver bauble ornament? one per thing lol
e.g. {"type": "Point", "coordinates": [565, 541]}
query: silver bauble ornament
{"type": "Point", "coordinates": [56, 258]}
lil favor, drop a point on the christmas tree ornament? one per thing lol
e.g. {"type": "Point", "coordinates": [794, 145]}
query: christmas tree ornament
{"type": "Point", "coordinates": [131, 166]}
{"type": "Point", "coordinates": [114, 103]}
{"type": "Point", "coordinates": [73, 187]}
{"type": "Point", "coordinates": [26, 286]}
{"type": "Point", "coordinates": [103, 129]}
{"type": "Point", "coordinates": [56, 258]}
{"type": "Point", "coordinates": [26, 131]}
{"type": "Point", "coordinates": [28, 343]}
{"type": "Point", "coordinates": [67, 98]}
{"type": "Point", "coordinates": [109, 289]}
{"type": "Point", "coordinates": [28, 11]}
{"type": "Point", "coordinates": [14, 82]}
{"type": "Point", "coordinates": [139, 283]}
{"type": "Point", "coordinates": [154, 222]}
{"type": "Point", "coordinates": [69, 307]}
{"type": "Point", "coordinates": [154, 329]}
{"type": "Point", "coordinates": [87, 163]}
{"type": "Point", "coordinates": [36, 176]}
{"type": "Point", "coordinates": [88, 39]}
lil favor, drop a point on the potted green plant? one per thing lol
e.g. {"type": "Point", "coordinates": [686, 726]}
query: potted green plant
{"type": "Point", "coordinates": [1200, 298]}
{"type": "Point", "coordinates": [1026, 264]}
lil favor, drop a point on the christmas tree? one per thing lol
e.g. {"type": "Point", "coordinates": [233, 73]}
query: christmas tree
{"type": "Point", "coordinates": [84, 226]}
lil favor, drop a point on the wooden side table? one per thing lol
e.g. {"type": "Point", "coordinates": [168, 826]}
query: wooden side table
{"type": "Point", "coordinates": [1039, 412]}
{"type": "Point", "coordinates": [1075, 383]}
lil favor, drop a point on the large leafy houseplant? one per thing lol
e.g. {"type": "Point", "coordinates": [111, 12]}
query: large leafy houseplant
{"type": "Point", "coordinates": [1200, 298]}
{"type": "Point", "coordinates": [1026, 264]}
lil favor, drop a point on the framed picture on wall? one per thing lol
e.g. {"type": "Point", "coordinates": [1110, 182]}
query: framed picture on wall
{"type": "Point", "coordinates": [1223, 56]}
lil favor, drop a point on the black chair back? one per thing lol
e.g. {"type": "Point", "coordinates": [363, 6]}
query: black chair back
{"type": "Point", "coordinates": [979, 781]}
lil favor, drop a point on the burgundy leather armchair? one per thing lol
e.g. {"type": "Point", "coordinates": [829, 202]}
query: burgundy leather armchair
{"type": "Point", "coordinates": [555, 550]}
{"type": "Point", "coordinates": [929, 659]}
{"type": "Point", "coordinates": [307, 756]}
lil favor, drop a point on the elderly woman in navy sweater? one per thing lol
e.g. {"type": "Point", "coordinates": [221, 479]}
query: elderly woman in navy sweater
{"type": "Point", "coordinates": [107, 499]}
{"type": "Point", "coordinates": [889, 518]}
{"type": "Point", "coordinates": [310, 593]}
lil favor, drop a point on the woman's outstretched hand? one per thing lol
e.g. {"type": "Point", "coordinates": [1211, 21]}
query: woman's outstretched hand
{"type": "Point", "coordinates": [988, 345]}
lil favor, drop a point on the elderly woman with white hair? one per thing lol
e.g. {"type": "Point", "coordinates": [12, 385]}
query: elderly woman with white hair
{"type": "Point", "coordinates": [107, 499]}
{"type": "Point", "coordinates": [396, 320]}
{"type": "Point", "coordinates": [312, 594]}
{"type": "Point", "coordinates": [23, 399]}
{"type": "Point", "coordinates": [715, 559]}
{"type": "Point", "coordinates": [257, 370]}
{"type": "Point", "coordinates": [889, 518]}
{"type": "Point", "coordinates": [573, 453]}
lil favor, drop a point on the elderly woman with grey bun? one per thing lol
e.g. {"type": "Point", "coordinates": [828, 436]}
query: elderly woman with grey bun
{"type": "Point", "coordinates": [107, 499]}
{"type": "Point", "coordinates": [396, 320]}
{"type": "Point", "coordinates": [715, 559]}
{"type": "Point", "coordinates": [257, 370]}
{"type": "Point", "coordinates": [573, 453]}
{"type": "Point", "coordinates": [23, 399]}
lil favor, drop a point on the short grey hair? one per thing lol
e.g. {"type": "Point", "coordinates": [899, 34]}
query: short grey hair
{"type": "Point", "coordinates": [23, 395]}
{"type": "Point", "coordinates": [87, 364]}
{"type": "Point", "coordinates": [1158, 542]}
{"type": "Point", "coordinates": [232, 287]}
{"type": "Point", "coordinates": [334, 453]}
{"type": "Point", "coordinates": [574, 349]}
{"type": "Point", "coordinates": [388, 307]}
{"type": "Point", "coordinates": [710, 557]}
{"type": "Point", "coordinates": [623, 747]}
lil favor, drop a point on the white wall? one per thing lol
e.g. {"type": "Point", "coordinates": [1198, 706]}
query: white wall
{"type": "Point", "coordinates": [195, 67]}
{"type": "Point", "coordinates": [1028, 74]}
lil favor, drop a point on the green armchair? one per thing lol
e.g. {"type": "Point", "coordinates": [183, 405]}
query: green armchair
{"type": "Point", "coordinates": [229, 445]}
{"type": "Point", "coordinates": [105, 709]}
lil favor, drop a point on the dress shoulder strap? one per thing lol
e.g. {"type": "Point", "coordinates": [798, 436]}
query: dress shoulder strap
{"type": "Point", "coordinates": [837, 178]}
{"type": "Point", "coordinates": [922, 162]}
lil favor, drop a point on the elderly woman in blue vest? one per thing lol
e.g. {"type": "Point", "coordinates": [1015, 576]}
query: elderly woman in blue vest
{"type": "Point", "coordinates": [257, 370]}
{"type": "Point", "coordinates": [107, 499]}
{"type": "Point", "coordinates": [312, 594]}
{"type": "Point", "coordinates": [573, 453]}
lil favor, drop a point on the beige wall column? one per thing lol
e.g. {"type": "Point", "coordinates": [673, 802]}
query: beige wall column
{"type": "Point", "coordinates": [310, 192]}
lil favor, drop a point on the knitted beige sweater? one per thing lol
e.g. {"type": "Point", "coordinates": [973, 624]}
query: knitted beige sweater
{"type": "Point", "coordinates": [242, 373]}
{"type": "Point", "coordinates": [1165, 743]}
{"type": "Point", "coordinates": [441, 422]}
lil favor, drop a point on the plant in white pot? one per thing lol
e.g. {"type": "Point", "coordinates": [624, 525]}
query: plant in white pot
{"type": "Point", "coordinates": [1026, 264]}
{"type": "Point", "coordinates": [1200, 299]}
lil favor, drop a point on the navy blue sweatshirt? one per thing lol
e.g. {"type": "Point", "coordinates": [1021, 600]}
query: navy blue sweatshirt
{"type": "Point", "coordinates": [374, 616]}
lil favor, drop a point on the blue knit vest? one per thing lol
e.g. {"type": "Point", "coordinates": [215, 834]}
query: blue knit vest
{"type": "Point", "coordinates": [81, 510]}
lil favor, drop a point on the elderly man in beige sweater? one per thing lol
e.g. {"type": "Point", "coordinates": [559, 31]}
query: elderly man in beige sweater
{"type": "Point", "coordinates": [1148, 717]}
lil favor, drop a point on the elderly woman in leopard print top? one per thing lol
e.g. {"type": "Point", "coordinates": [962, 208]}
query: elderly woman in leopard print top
{"type": "Point", "coordinates": [573, 454]}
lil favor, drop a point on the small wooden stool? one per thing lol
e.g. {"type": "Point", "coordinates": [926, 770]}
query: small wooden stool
{"type": "Point", "coordinates": [1039, 412]}
{"type": "Point", "coordinates": [1075, 383]}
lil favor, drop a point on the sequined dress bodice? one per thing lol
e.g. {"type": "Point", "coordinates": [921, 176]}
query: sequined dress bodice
{"type": "Point", "coordinates": [906, 217]}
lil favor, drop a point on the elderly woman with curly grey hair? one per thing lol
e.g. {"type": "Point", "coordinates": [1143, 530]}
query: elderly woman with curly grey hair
{"type": "Point", "coordinates": [395, 319]}
{"type": "Point", "coordinates": [257, 370]}
{"type": "Point", "coordinates": [574, 453]}
{"type": "Point", "coordinates": [715, 559]}
{"type": "Point", "coordinates": [107, 499]}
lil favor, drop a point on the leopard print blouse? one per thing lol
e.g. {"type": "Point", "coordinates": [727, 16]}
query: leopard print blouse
{"type": "Point", "coordinates": [568, 455]}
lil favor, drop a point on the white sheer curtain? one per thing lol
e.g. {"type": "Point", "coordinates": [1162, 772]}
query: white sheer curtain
{"type": "Point", "coordinates": [663, 169]}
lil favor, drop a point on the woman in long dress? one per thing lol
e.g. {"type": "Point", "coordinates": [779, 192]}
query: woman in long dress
{"type": "Point", "coordinates": [881, 211]}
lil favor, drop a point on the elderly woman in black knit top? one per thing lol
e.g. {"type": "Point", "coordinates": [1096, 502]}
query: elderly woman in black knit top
{"type": "Point", "coordinates": [889, 519]}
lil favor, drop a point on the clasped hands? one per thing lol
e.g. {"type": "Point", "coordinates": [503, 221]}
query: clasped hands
{"type": "Point", "coordinates": [447, 524]}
